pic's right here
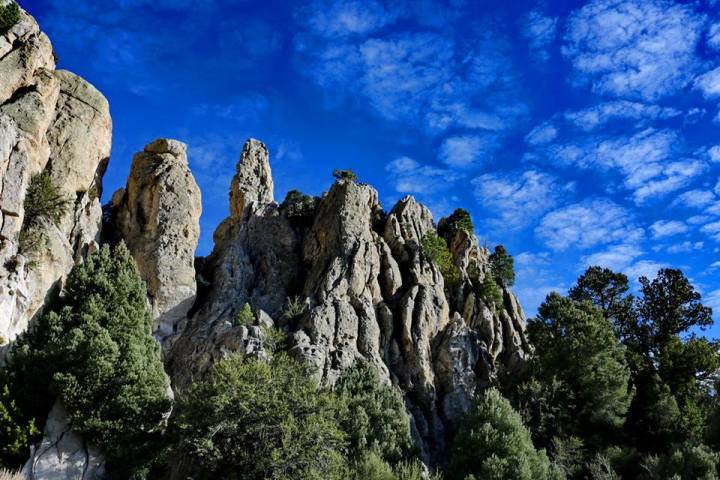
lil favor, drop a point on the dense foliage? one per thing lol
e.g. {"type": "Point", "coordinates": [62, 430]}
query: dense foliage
{"type": "Point", "coordinates": [9, 16]}
{"type": "Point", "coordinates": [348, 175]}
{"type": "Point", "coordinates": [257, 420]}
{"type": "Point", "coordinates": [376, 418]}
{"type": "Point", "coordinates": [621, 385]}
{"type": "Point", "coordinates": [459, 220]}
{"type": "Point", "coordinates": [94, 351]}
{"type": "Point", "coordinates": [299, 208]}
{"type": "Point", "coordinates": [43, 203]}
{"type": "Point", "coordinates": [495, 445]}
{"type": "Point", "coordinates": [502, 266]}
{"type": "Point", "coordinates": [435, 248]}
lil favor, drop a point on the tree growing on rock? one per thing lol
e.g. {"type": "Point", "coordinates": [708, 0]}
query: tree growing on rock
{"type": "Point", "coordinates": [95, 352]}
{"type": "Point", "coordinates": [502, 266]}
{"type": "Point", "coordinates": [9, 16]}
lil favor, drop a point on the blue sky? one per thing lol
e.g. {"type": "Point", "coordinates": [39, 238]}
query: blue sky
{"type": "Point", "coordinates": [575, 132]}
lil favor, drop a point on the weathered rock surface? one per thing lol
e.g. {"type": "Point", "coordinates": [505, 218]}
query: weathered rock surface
{"type": "Point", "coordinates": [50, 121]}
{"type": "Point", "coordinates": [158, 217]}
{"type": "Point", "coordinates": [62, 454]}
{"type": "Point", "coordinates": [361, 288]}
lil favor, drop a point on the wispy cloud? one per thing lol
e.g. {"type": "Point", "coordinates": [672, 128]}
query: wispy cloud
{"type": "Point", "coordinates": [409, 176]}
{"type": "Point", "coordinates": [591, 118]}
{"type": "Point", "coordinates": [540, 31]}
{"type": "Point", "coordinates": [641, 49]}
{"type": "Point", "coordinates": [468, 150]}
{"type": "Point", "coordinates": [667, 228]}
{"type": "Point", "coordinates": [587, 224]}
{"type": "Point", "coordinates": [516, 199]}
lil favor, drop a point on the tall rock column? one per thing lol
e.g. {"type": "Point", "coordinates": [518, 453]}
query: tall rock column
{"type": "Point", "coordinates": [158, 217]}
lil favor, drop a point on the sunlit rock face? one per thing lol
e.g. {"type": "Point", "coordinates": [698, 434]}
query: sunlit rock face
{"type": "Point", "coordinates": [157, 215]}
{"type": "Point", "coordinates": [55, 122]}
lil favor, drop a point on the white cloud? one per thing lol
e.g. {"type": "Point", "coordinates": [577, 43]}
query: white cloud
{"type": "Point", "coordinates": [596, 116]}
{"type": "Point", "coordinates": [712, 229]}
{"type": "Point", "coordinates": [587, 224]}
{"type": "Point", "coordinates": [644, 268]}
{"type": "Point", "coordinates": [346, 17]}
{"type": "Point", "coordinates": [429, 79]}
{"type": "Point", "coordinates": [542, 134]}
{"type": "Point", "coordinates": [713, 36]}
{"type": "Point", "coordinates": [714, 153]}
{"type": "Point", "coordinates": [642, 158]}
{"type": "Point", "coordinates": [686, 246]}
{"type": "Point", "coordinates": [641, 49]}
{"type": "Point", "coordinates": [540, 31]}
{"type": "Point", "coordinates": [409, 176]}
{"type": "Point", "coordinates": [709, 83]}
{"type": "Point", "coordinates": [674, 176]}
{"type": "Point", "coordinates": [714, 265]}
{"type": "Point", "coordinates": [667, 228]}
{"type": "Point", "coordinates": [615, 257]}
{"type": "Point", "coordinates": [468, 150]}
{"type": "Point", "coordinates": [698, 219]}
{"type": "Point", "coordinates": [694, 199]}
{"type": "Point", "coordinates": [514, 200]}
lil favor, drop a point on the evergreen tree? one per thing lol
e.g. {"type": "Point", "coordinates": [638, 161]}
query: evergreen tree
{"type": "Point", "coordinates": [502, 266]}
{"type": "Point", "coordinates": [579, 371]}
{"type": "Point", "coordinates": [494, 445]}
{"type": "Point", "coordinates": [96, 353]}
{"type": "Point", "coordinates": [255, 420]}
{"type": "Point", "coordinates": [376, 418]}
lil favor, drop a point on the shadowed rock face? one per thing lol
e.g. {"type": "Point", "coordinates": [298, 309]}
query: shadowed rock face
{"type": "Point", "coordinates": [55, 122]}
{"type": "Point", "coordinates": [366, 290]}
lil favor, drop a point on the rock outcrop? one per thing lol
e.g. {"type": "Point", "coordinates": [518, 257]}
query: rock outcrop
{"type": "Point", "coordinates": [54, 122]}
{"type": "Point", "coordinates": [62, 454]}
{"type": "Point", "coordinates": [345, 282]}
{"type": "Point", "coordinates": [158, 216]}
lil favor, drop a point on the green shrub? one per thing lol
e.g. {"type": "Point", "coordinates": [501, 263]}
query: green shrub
{"type": "Point", "coordinates": [370, 466]}
{"type": "Point", "coordinates": [488, 290]}
{"type": "Point", "coordinates": [255, 420]}
{"type": "Point", "coordinates": [245, 317]}
{"type": "Point", "coordinates": [501, 264]}
{"type": "Point", "coordinates": [299, 208]}
{"type": "Point", "coordinates": [459, 220]}
{"type": "Point", "coordinates": [436, 250]}
{"type": "Point", "coordinates": [345, 175]}
{"type": "Point", "coordinates": [17, 431]}
{"type": "Point", "coordinates": [376, 418]}
{"type": "Point", "coordinates": [96, 352]}
{"type": "Point", "coordinates": [293, 309]}
{"type": "Point", "coordinates": [494, 444]}
{"type": "Point", "coordinates": [684, 462]}
{"type": "Point", "coordinates": [42, 202]}
{"type": "Point", "coordinates": [9, 16]}
{"type": "Point", "coordinates": [273, 338]}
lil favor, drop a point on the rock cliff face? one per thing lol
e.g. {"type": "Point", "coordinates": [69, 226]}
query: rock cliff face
{"type": "Point", "coordinates": [55, 122]}
{"type": "Point", "coordinates": [340, 277]}
{"type": "Point", "coordinates": [360, 287]}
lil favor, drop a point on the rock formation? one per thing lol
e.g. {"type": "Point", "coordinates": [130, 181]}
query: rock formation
{"type": "Point", "coordinates": [54, 122]}
{"type": "Point", "coordinates": [342, 279]}
{"type": "Point", "coordinates": [361, 287]}
{"type": "Point", "coordinates": [158, 215]}
{"type": "Point", "coordinates": [62, 454]}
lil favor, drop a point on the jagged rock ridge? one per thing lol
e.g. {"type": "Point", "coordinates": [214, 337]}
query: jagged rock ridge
{"type": "Point", "coordinates": [367, 291]}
